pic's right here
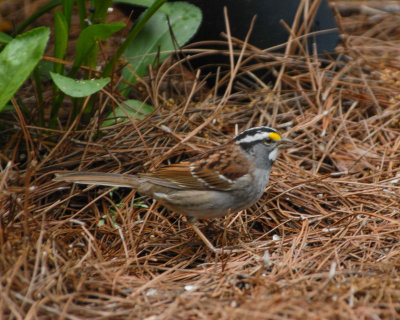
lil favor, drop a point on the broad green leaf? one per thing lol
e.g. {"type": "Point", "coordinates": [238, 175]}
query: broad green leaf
{"type": "Point", "coordinates": [18, 59]}
{"type": "Point", "coordinates": [133, 108]}
{"type": "Point", "coordinates": [87, 41]}
{"type": "Point", "coordinates": [5, 38]}
{"type": "Point", "coordinates": [139, 25]}
{"type": "Point", "coordinates": [78, 89]}
{"type": "Point", "coordinates": [184, 19]}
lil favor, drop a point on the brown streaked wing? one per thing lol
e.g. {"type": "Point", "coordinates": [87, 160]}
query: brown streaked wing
{"type": "Point", "coordinates": [178, 174]}
{"type": "Point", "coordinates": [218, 168]}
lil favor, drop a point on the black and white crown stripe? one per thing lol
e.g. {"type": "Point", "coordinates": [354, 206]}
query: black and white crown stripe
{"type": "Point", "coordinates": [254, 134]}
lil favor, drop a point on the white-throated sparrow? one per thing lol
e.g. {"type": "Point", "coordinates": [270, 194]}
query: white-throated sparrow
{"type": "Point", "coordinates": [228, 178]}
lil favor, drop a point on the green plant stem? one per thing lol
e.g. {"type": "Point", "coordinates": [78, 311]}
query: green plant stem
{"type": "Point", "coordinates": [39, 92]}
{"type": "Point", "coordinates": [57, 101]}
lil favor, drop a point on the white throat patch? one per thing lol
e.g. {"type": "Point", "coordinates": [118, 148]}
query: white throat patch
{"type": "Point", "coordinates": [273, 154]}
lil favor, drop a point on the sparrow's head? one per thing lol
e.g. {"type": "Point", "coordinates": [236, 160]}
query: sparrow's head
{"type": "Point", "coordinates": [261, 143]}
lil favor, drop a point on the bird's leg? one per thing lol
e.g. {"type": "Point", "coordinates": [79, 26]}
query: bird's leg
{"type": "Point", "coordinates": [191, 221]}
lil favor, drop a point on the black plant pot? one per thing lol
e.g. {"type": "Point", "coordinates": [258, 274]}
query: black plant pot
{"type": "Point", "coordinates": [267, 32]}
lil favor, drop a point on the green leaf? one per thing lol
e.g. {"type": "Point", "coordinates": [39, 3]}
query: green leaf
{"type": "Point", "coordinates": [87, 41]}
{"type": "Point", "coordinates": [131, 108]}
{"type": "Point", "coordinates": [82, 11]}
{"type": "Point", "coordinates": [5, 38]}
{"type": "Point", "coordinates": [184, 19]}
{"type": "Point", "coordinates": [8, 107]}
{"type": "Point", "coordinates": [100, 10]}
{"type": "Point", "coordinates": [68, 7]}
{"type": "Point", "coordinates": [101, 223]}
{"type": "Point", "coordinates": [139, 25]}
{"type": "Point", "coordinates": [18, 59]}
{"type": "Point", "coordinates": [78, 89]}
{"type": "Point", "coordinates": [60, 39]}
{"type": "Point", "coordinates": [142, 3]}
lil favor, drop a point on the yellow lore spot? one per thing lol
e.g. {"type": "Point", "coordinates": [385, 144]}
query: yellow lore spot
{"type": "Point", "coordinates": [275, 136]}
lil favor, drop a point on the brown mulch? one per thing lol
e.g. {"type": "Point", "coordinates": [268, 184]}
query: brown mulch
{"type": "Point", "coordinates": [322, 243]}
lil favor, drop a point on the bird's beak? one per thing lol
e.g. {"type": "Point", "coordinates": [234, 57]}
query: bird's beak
{"type": "Point", "coordinates": [283, 143]}
{"type": "Point", "coordinates": [286, 140]}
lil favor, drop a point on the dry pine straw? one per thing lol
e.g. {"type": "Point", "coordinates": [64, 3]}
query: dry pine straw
{"type": "Point", "coordinates": [322, 243]}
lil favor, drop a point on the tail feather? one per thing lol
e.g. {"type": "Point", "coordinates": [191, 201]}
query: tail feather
{"type": "Point", "coordinates": [99, 178]}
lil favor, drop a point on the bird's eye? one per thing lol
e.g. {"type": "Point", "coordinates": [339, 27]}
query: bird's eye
{"type": "Point", "coordinates": [268, 140]}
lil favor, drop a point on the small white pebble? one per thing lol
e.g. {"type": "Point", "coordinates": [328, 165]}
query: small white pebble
{"type": "Point", "coordinates": [276, 237]}
{"type": "Point", "coordinates": [389, 191]}
{"type": "Point", "coordinates": [77, 222]}
{"type": "Point", "coordinates": [165, 128]}
{"type": "Point", "coordinates": [396, 180]}
{"type": "Point", "coordinates": [332, 270]}
{"type": "Point", "coordinates": [151, 292]}
{"type": "Point", "coordinates": [329, 229]}
{"type": "Point", "coordinates": [267, 259]}
{"type": "Point", "coordinates": [351, 298]}
{"type": "Point", "coordinates": [190, 287]}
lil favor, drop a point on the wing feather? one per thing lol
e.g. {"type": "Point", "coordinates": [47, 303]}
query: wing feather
{"type": "Point", "coordinates": [216, 169]}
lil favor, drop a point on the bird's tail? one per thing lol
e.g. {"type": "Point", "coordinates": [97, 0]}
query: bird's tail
{"type": "Point", "coordinates": [99, 178]}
